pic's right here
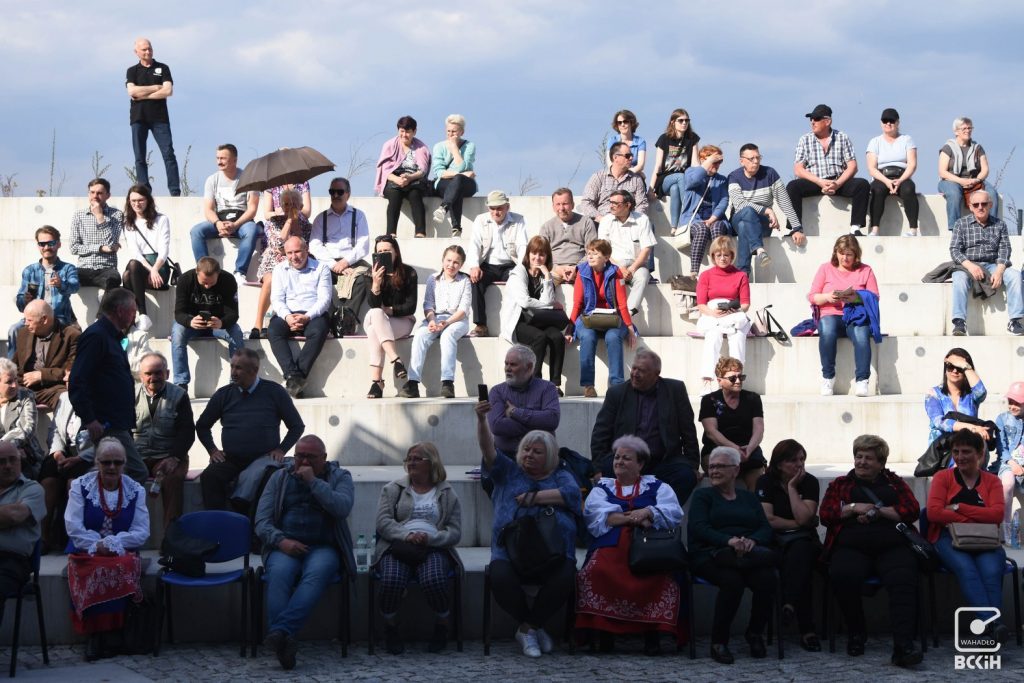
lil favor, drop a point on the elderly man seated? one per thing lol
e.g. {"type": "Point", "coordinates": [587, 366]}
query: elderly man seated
{"type": "Point", "coordinates": [522, 402]}
{"type": "Point", "coordinates": [44, 352]}
{"type": "Point", "coordinates": [21, 511]}
{"type": "Point", "coordinates": [981, 246]}
{"type": "Point", "coordinates": [302, 519]}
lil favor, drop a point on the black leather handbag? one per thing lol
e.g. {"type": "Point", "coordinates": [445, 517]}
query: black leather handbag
{"type": "Point", "coordinates": [657, 551]}
{"type": "Point", "coordinates": [534, 543]}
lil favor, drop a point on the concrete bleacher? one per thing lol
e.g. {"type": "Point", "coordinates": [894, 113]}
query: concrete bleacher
{"type": "Point", "coordinates": [370, 437]}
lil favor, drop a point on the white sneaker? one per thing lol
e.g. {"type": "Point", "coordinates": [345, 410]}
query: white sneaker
{"type": "Point", "coordinates": [544, 641]}
{"type": "Point", "coordinates": [240, 279]}
{"type": "Point", "coordinates": [862, 388]}
{"type": "Point", "coordinates": [144, 323]}
{"type": "Point", "coordinates": [826, 386]}
{"type": "Point", "coordinates": [910, 232]}
{"type": "Point", "coordinates": [528, 641]}
{"type": "Point", "coordinates": [763, 259]}
{"type": "Point", "coordinates": [857, 230]}
{"type": "Point", "coordinates": [439, 214]}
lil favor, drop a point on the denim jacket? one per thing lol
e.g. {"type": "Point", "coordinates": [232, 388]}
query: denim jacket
{"type": "Point", "coordinates": [1011, 434]}
{"type": "Point", "coordinates": [35, 274]}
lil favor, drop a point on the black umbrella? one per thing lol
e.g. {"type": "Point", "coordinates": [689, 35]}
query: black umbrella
{"type": "Point", "coordinates": [283, 167]}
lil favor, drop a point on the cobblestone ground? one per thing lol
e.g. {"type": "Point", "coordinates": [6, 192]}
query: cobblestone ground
{"type": "Point", "coordinates": [321, 661]}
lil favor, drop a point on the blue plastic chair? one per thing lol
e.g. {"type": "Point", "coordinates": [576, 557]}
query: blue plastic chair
{"type": "Point", "coordinates": [344, 611]}
{"type": "Point", "coordinates": [233, 532]}
{"type": "Point", "coordinates": [30, 587]}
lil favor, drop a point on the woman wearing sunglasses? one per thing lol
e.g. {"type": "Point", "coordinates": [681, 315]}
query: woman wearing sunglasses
{"type": "Point", "coordinates": [392, 311]}
{"type": "Point", "coordinates": [624, 124]}
{"type": "Point", "coordinates": [733, 417]}
{"type": "Point", "coordinates": [961, 391]}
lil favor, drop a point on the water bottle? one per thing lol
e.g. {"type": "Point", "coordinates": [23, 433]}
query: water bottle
{"type": "Point", "coordinates": [156, 484]}
{"type": "Point", "coordinates": [83, 441]}
{"type": "Point", "coordinates": [1015, 531]}
{"type": "Point", "coordinates": [362, 555]}
{"type": "Point", "coordinates": [47, 290]}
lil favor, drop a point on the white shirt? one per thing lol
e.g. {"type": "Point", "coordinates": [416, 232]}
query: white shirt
{"type": "Point", "coordinates": [597, 507]}
{"type": "Point", "coordinates": [510, 235]}
{"type": "Point", "coordinates": [339, 243]}
{"type": "Point", "coordinates": [308, 289]}
{"type": "Point", "coordinates": [627, 237]}
{"type": "Point", "coordinates": [159, 239]}
{"type": "Point", "coordinates": [86, 539]}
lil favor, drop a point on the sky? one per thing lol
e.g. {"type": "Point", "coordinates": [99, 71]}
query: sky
{"type": "Point", "coordinates": [538, 82]}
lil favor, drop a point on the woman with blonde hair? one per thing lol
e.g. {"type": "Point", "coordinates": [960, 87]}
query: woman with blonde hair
{"type": "Point", "coordinates": [452, 167]}
{"type": "Point", "coordinates": [723, 297]}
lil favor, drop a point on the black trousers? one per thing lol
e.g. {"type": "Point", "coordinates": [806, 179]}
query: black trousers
{"type": "Point", "coordinates": [896, 566]}
{"type": "Point", "coordinates": [300, 363]}
{"type": "Point", "coordinates": [104, 278]}
{"type": "Point", "coordinates": [395, 195]}
{"type": "Point", "coordinates": [452, 191]}
{"type": "Point", "coordinates": [491, 274]}
{"type": "Point", "coordinates": [14, 572]}
{"type": "Point", "coordinates": [136, 281]}
{"type": "Point", "coordinates": [554, 592]}
{"type": "Point", "coordinates": [216, 480]}
{"type": "Point", "coordinates": [907, 192]}
{"type": "Point", "coordinates": [855, 189]}
{"type": "Point", "coordinates": [798, 558]}
{"type": "Point", "coordinates": [731, 582]}
{"type": "Point", "coordinates": [544, 340]}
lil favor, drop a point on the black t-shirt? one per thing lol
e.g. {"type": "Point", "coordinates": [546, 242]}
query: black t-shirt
{"type": "Point", "coordinates": [736, 425]}
{"type": "Point", "coordinates": [770, 491]}
{"type": "Point", "coordinates": [676, 153]}
{"type": "Point", "coordinates": [149, 111]}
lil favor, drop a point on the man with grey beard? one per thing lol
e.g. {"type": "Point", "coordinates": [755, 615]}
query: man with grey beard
{"type": "Point", "coordinates": [522, 402]}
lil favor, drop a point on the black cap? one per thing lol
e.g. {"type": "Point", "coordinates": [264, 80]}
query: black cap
{"type": "Point", "coordinates": [820, 112]}
{"type": "Point", "coordinates": [890, 113]}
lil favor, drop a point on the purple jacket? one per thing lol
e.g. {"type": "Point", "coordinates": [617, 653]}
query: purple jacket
{"type": "Point", "coordinates": [391, 157]}
{"type": "Point", "coordinates": [537, 407]}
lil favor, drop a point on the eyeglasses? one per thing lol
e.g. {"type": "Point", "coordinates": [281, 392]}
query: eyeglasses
{"type": "Point", "coordinates": [952, 368]}
{"type": "Point", "coordinates": [719, 466]}
{"type": "Point", "coordinates": [624, 154]}
{"type": "Point", "coordinates": [735, 379]}
{"type": "Point", "coordinates": [755, 158]}
{"type": "Point", "coordinates": [110, 463]}
{"type": "Point", "coordinates": [890, 121]}
{"type": "Point", "coordinates": [415, 458]}
{"type": "Point", "coordinates": [307, 455]}
{"type": "Point", "coordinates": [617, 203]}
{"type": "Point", "coordinates": [337, 193]}
{"type": "Point", "coordinates": [682, 119]}
{"type": "Point", "coordinates": [980, 205]}
{"type": "Point", "coordinates": [47, 244]}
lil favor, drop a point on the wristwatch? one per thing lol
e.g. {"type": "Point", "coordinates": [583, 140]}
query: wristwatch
{"type": "Point", "coordinates": [956, 507]}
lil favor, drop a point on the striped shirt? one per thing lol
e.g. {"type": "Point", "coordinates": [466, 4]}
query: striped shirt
{"type": "Point", "coordinates": [597, 195]}
{"type": "Point", "coordinates": [979, 243]}
{"type": "Point", "coordinates": [87, 236]}
{"type": "Point", "coordinates": [760, 192]}
{"type": "Point", "coordinates": [826, 164]}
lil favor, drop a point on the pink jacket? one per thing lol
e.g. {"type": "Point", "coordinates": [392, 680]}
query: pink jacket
{"type": "Point", "coordinates": [391, 157]}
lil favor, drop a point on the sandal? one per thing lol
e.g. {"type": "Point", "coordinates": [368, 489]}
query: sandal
{"type": "Point", "coordinates": [400, 372]}
{"type": "Point", "coordinates": [376, 389]}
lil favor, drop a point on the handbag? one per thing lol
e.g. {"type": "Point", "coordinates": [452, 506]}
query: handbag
{"type": "Point", "coordinates": [892, 172]}
{"type": "Point", "coordinates": [935, 457]}
{"type": "Point", "coordinates": [547, 317]}
{"type": "Point", "coordinates": [411, 554]}
{"type": "Point", "coordinates": [534, 543]}
{"type": "Point", "coordinates": [925, 551]}
{"type": "Point", "coordinates": [602, 321]}
{"type": "Point", "coordinates": [229, 214]}
{"type": "Point", "coordinates": [784, 538]}
{"type": "Point", "coordinates": [657, 551]}
{"type": "Point", "coordinates": [185, 554]}
{"type": "Point", "coordinates": [170, 271]}
{"type": "Point", "coordinates": [971, 537]}
{"type": "Point", "coordinates": [758, 558]}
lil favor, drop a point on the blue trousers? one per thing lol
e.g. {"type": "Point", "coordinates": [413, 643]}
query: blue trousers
{"type": "Point", "coordinates": [613, 340]}
{"type": "Point", "coordinates": [830, 328]}
{"type": "Point", "coordinates": [162, 135]}
{"type": "Point", "coordinates": [180, 336]}
{"type": "Point", "coordinates": [751, 229]}
{"type": "Point", "coordinates": [247, 235]}
{"type": "Point", "coordinates": [980, 575]}
{"type": "Point", "coordinates": [295, 585]}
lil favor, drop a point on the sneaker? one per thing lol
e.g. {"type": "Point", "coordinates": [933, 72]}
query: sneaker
{"type": "Point", "coordinates": [447, 389]}
{"type": "Point", "coordinates": [912, 232]}
{"type": "Point", "coordinates": [862, 388]}
{"type": "Point", "coordinates": [479, 331]}
{"type": "Point", "coordinates": [589, 392]}
{"type": "Point", "coordinates": [393, 640]}
{"type": "Point", "coordinates": [827, 383]}
{"type": "Point", "coordinates": [440, 213]}
{"type": "Point", "coordinates": [857, 230]}
{"type": "Point", "coordinates": [438, 639]}
{"type": "Point", "coordinates": [1015, 327]}
{"type": "Point", "coordinates": [528, 641]}
{"type": "Point", "coordinates": [144, 323]}
{"type": "Point", "coordinates": [410, 389]}
{"type": "Point", "coordinates": [254, 334]}
{"type": "Point", "coordinates": [456, 231]}
{"type": "Point", "coordinates": [240, 279]}
{"type": "Point", "coordinates": [763, 259]}
{"type": "Point", "coordinates": [959, 327]}
{"type": "Point", "coordinates": [544, 641]}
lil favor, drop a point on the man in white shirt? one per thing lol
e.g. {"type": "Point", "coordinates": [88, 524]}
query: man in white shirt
{"type": "Point", "coordinates": [632, 239]}
{"type": "Point", "coordinates": [340, 239]}
{"type": "Point", "coordinates": [228, 213]}
{"type": "Point", "coordinates": [497, 245]}
{"type": "Point", "coordinates": [300, 296]}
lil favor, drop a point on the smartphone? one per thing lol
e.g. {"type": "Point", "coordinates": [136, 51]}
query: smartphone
{"type": "Point", "coordinates": [729, 305]}
{"type": "Point", "coordinates": [33, 289]}
{"type": "Point", "coordinates": [384, 260]}
{"type": "Point", "coordinates": [482, 393]}
{"type": "Point", "coordinates": [205, 315]}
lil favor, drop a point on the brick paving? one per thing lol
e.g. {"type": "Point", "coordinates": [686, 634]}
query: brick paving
{"type": "Point", "coordinates": [321, 661]}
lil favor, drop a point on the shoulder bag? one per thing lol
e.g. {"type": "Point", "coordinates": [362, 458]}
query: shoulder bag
{"type": "Point", "coordinates": [925, 551]}
{"type": "Point", "coordinates": [533, 542]}
{"type": "Point", "coordinates": [972, 538]}
{"type": "Point", "coordinates": [657, 551]}
{"type": "Point", "coordinates": [602, 321]}
{"type": "Point", "coordinates": [170, 271]}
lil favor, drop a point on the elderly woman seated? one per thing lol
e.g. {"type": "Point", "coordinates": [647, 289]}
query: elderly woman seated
{"type": "Point", "coordinates": [861, 510]}
{"type": "Point", "coordinates": [729, 537]}
{"type": "Point", "coordinates": [107, 521]}
{"type": "Point", "coordinates": [534, 485]}
{"type": "Point", "coordinates": [419, 523]}
{"type": "Point", "coordinates": [18, 418]}
{"type": "Point", "coordinates": [610, 599]}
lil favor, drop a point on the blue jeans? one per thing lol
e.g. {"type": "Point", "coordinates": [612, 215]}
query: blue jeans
{"type": "Point", "coordinates": [980, 575]}
{"type": "Point", "coordinates": [830, 328]}
{"type": "Point", "coordinates": [247, 235]}
{"type": "Point", "coordinates": [1011, 282]}
{"type": "Point", "coordinates": [613, 340]}
{"type": "Point", "coordinates": [180, 336]}
{"type": "Point", "coordinates": [954, 195]}
{"type": "Point", "coordinates": [162, 135]}
{"type": "Point", "coordinates": [672, 185]}
{"type": "Point", "coordinates": [751, 228]}
{"type": "Point", "coordinates": [295, 584]}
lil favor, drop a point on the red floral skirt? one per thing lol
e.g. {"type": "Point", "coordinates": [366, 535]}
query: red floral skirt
{"type": "Point", "coordinates": [100, 586]}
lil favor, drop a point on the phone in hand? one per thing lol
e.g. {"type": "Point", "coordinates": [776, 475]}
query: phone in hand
{"type": "Point", "coordinates": [482, 393]}
{"type": "Point", "coordinates": [205, 315]}
{"type": "Point", "coordinates": [386, 261]}
{"type": "Point", "coordinates": [32, 289]}
{"type": "Point", "coordinates": [729, 305]}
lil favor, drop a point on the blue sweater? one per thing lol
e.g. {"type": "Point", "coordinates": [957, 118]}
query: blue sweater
{"type": "Point", "coordinates": [250, 426]}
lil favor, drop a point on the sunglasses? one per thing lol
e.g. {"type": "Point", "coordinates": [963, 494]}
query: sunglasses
{"type": "Point", "coordinates": [628, 156]}
{"type": "Point", "coordinates": [735, 379]}
{"type": "Point", "coordinates": [952, 368]}
{"type": "Point", "coordinates": [890, 120]}
{"type": "Point", "coordinates": [682, 120]}
{"type": "Point", "coordinates": [621, 122]}
{"type": "Point", "coordinates": [385, 238]}
{"type": "Point", "coordinates": [980, 205]}
{"type": "Point", "coordinates": [110, 463]}
{"type": "Point", "coordinates": [47, 244]}
{"type": "Point", "coordinates": [337, 193]}
{"type": "Point", "coordinates": [817, 118]}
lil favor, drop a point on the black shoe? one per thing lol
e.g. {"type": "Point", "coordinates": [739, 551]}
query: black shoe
{"type": "Point", "coordinates": [254, 334]}
{"type": "Point", "coordinates": [92, 648]}
{"type": "Point", "coordinates": [756, 643]}
{"type": "Point", "coordinates": [605, 642]}
{"type": "Point", "coordinates": [855, 645]}
{"type": "Point", "coordinates": [393, 640]}
{"type": "Point", "coordinates": [376, 389]}
{"type": "Point", "coordinates": [1015, 327]}
{"type": "Point", "coordinates": [294, 385]}
{"type": "Point", "coordinates": [274, 641]}
{"type": "Point", "coordinates": [959, 327]}
{"type": "Point", "coordinates": [652, 644]}
{"type": "Point", "coordinates": [721, 654]}
{"type": "Point", "coordinates": [561, 394]}
{"type": "Point", "coordinates": [1001, 632]}
{"type": "Point", "coordinates": [286, 655]}
{"type": "Point", "coordinates": [400, 372]}
{"type": "Point", "coordinates": [810, 642]}
{"type": "Point", "coordinates": [456, 231]}
{"type": "Point", "coordinates": [906, 655]}
{"type": "Point", "coordinates": [410, 390]}
{"type": "Point", "coordinates": [439, 639]}
{"type": "Point", "coordinates": [447, 389]}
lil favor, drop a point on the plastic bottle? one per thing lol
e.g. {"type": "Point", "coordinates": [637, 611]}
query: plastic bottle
{"type": "Point", "coordinates": [1015, 531]}
{"type": "Point", "coordinates": [156, 484]}
{"type": "Point", "coordinates": [362, 555]}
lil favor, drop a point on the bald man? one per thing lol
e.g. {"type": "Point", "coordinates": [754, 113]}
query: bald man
{"type": "Point", "coordinates": [44, 352]}
{"type": "Point", "coordinates": [302, 521]}
{"type": "Point", "coordinates": [149, 84]}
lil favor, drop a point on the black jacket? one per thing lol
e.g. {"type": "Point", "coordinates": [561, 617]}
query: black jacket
{"type": "Point", "coordinates": [221, 300]}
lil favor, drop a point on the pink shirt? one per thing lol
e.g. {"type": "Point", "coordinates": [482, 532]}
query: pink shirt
{"type": "Point", "coordinates": [829, 278]}
{"type": "Point", "coordinates": [723, 283]}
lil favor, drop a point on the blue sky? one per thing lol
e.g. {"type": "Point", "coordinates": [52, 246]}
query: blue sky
{"type": "Point", "coordinates": [538, 82]}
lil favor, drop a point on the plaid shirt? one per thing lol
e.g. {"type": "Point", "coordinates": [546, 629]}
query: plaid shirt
{"type": "Point", "coordinates": [597, 195]}
{"type": "Point", "coordinates": [840, 491]}
{"type": "Point", "coordinates": [979, 243]}
{"type": "Point", "coordinates": [87, 236]}
{"type": "Point", "coordinates": [828, 163]}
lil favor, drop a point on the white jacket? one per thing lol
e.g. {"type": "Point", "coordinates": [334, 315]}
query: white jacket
{"type": "Point", "coordinates": [517, 297]}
